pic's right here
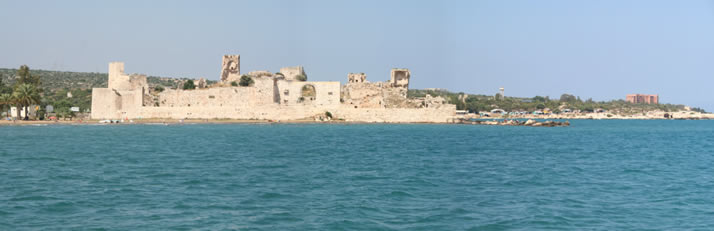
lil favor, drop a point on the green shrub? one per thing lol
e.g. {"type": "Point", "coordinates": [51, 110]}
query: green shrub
{"type": "Point", "coordinates": [245, 81]}
{"type": "Point", "coordinates": [328, 114]}
{"type": "Point", "coordinates": [234, 84]}
{"type": "Point", "coordinates": [301, 77]}
{"type": "Point", "coordinates": [188, 85]}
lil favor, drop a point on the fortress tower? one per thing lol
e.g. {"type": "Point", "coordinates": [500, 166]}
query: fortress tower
{"type": "Point", "coordinates": [230, 70]}
{"type": "Point", "coordinates": [356, 77]}
{"type": "Point", "coordinates": [400, 77]}
{"type": "Point", "coordinates": [118, 80]}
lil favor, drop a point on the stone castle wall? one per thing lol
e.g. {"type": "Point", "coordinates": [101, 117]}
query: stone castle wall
{"type": "Point", "coordinates": [105, 103]}
{"type": "Point", "coordinates": [263, 112]}
{"type": "Point", "coordinates": [114, 104]}
{"type": "Point", "coordinates": [326, 93]}
{"type": "Point", "coordinates": [285, 112]}
{"type": "Point", "coordinates": [260, 93]}
{"type": "Point", "coordinates": [269, 98]}
{"type": "Point", "coordinates": [291, 73]}
{"type": "Point", "coordinates": [363, 95]}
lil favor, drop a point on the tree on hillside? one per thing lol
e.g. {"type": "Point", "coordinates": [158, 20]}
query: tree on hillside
{"type": "Point", "coordinates": [567, 98]}
{"type": "Point", "coordinates": [25, 95]}
{"type": "Point", "coordinates": [539, 99]}
{"type": "Point", "coordinates": [4, 89]}
{"type": "Point", "coordinates": [27, 77]}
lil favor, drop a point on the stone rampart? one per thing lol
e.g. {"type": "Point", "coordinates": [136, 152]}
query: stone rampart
{"type": "Point", "coordinates": [308, 93]}
{"type": "Point", "coordinates": [114, 104]}
{"type": "Point", "coordinates": [264, 112]}
{"type": "Point", "coordinates": [260, 93]}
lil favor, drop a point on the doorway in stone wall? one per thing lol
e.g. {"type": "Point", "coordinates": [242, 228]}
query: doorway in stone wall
{"type": "Point", "coordinates": [308, 92]}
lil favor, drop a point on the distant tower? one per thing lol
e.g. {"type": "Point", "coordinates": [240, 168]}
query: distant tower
{"type": "Point", "coordinates": [230, 70]}
{"type": "Point", "coordinates": [500, 91]}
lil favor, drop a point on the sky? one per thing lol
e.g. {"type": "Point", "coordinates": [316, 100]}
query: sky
{"type": "Point", "coordinates": [593, 49]}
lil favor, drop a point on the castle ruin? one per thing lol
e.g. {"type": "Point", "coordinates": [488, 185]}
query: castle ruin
{"type": "Point", "coordinates": [279, 96]}
{"type": "Point", "coordinates": [230, 70]}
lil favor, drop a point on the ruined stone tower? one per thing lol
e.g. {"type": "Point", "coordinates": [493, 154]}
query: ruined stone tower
{"type": "Point", "coordinates": [118, 80]}
{"type": "Point", "coordinates": [230, 70]}
{"type": "Point", "coordinates": [356, 77]}
{"type": "Point", "coordinates": [116, 72]}
{"type": "Point", "coordinates": [400, 77]}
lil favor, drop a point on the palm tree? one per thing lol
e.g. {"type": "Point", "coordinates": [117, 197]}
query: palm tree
{"type": "Point", "coordinates": [5, 100]}
{"type": "Point", "coordinates": [25, 95]}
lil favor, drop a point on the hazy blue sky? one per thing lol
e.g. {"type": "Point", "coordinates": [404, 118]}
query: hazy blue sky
{"type": "Point", "coordinates": [598, 49]}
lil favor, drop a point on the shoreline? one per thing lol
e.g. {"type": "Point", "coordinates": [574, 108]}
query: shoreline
{"type": "Point", "coordinates": [312, 121]}
{"type": "Point", "coordinates": [656, 115]}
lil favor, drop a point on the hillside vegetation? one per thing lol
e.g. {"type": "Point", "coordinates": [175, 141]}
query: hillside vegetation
{"type": "Point", "coordinates": [56, 84]}
{"type": "Point", "coordinates": [485, 103]}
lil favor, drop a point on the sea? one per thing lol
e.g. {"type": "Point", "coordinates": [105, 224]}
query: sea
{"type": "Point", "coordinates": [592, 175]}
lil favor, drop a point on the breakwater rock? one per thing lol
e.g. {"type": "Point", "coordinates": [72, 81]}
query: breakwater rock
{"type": "Point", "coordinates": [530, 123]}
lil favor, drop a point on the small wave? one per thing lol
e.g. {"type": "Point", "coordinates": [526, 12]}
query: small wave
{"type": "Point", "coordinates": [272, 195]}
{"type": "Point", "coordinates": [400, 194]}
{"type": "Point", "coordinates": [60, 207]}
{"type": "Point", "coordinates": [32, 198]}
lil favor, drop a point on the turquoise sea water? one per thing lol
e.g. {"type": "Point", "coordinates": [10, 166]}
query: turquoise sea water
{"type": "Point", "coordinates": [603, 175]}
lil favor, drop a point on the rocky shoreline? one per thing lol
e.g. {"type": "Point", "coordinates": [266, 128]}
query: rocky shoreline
{"type": "Point", "coordinates": [655, 115]}
{"type": "Point", "coordinates": [506, 122]}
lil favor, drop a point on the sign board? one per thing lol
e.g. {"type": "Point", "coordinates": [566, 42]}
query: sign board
{"type": "Point", "coordinates": [74, 109]}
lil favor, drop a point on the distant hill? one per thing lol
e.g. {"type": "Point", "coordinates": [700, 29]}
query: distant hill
{"type": "Point", "coordinates": [55, 80]}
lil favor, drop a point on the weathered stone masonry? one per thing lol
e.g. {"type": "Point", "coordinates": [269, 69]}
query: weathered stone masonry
{"type": "Point", "coordinates": [272, 96]}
